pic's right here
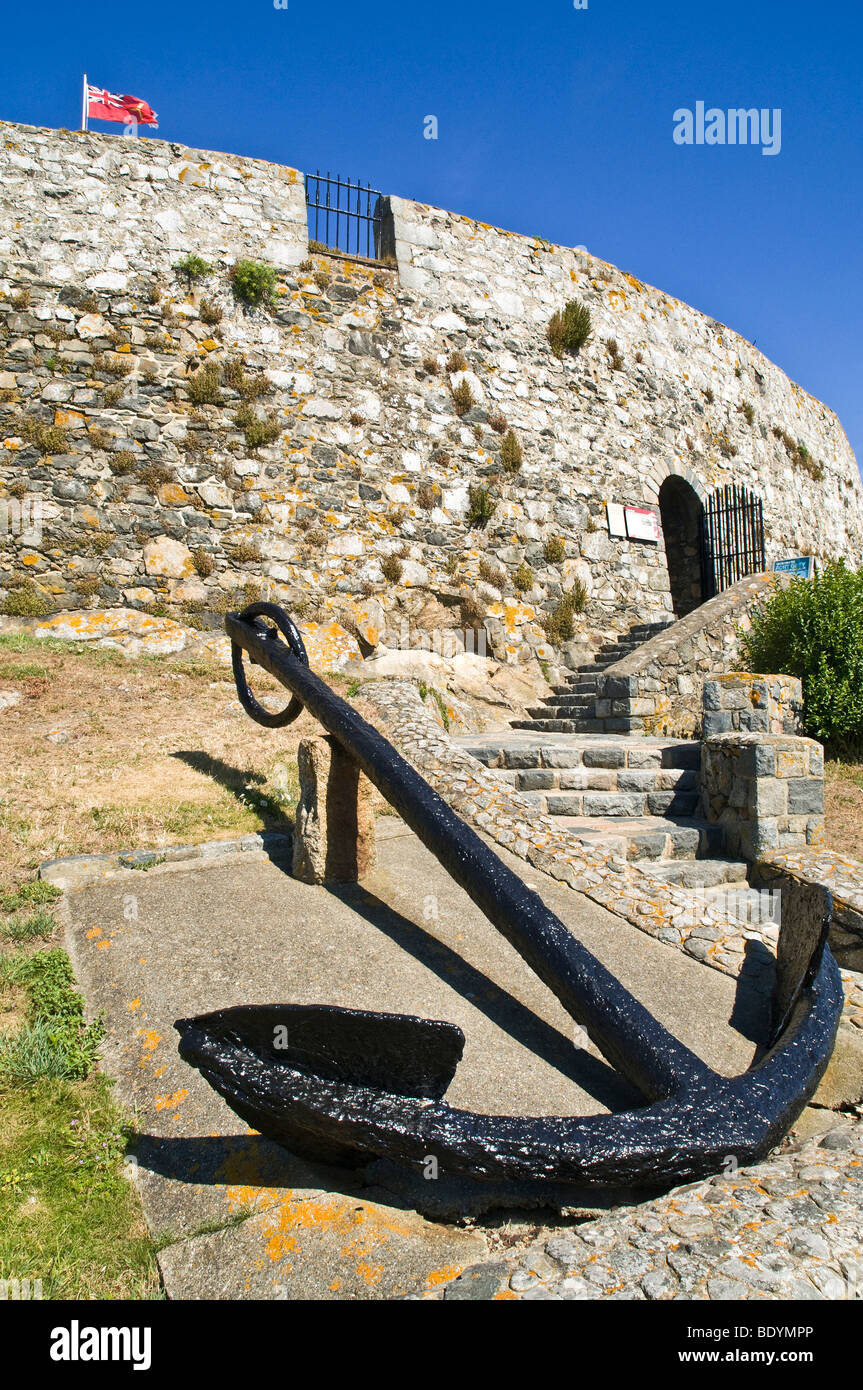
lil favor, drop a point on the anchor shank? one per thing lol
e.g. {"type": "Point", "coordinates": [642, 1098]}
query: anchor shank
{"type": "Point", "coordinates": [626, 1033]}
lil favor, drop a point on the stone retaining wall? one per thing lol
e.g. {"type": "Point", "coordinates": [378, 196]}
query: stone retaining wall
{"type": "Point", "coordinates": [659, 689]}
{"type": "Point", "coordinates": [358, 497]}
{"type": "Point", "coordinates": [766, 791]}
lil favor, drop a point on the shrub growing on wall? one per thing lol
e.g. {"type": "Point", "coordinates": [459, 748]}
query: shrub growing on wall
{"type": "Point", "coordinates": [814, 630]}
{"type": "Point", "coordinates": [253, 283]}
{"type": "Point", "coordinates": [569, 329]}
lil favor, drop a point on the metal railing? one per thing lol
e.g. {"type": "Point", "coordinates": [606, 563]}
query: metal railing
{"type": "Point", "coordinates": [344, 216]}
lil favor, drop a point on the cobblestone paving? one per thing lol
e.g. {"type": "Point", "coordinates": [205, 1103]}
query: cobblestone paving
{"type": "Point", "coordinates": [662, 910]}
{"type": "Point", "coordinates": [789, 1229]}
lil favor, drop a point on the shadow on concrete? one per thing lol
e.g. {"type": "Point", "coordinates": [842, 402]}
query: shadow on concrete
{"type": "Point", "coordinates": [751, 1013]}
{"type": "Point", "coordinates": [594, 1076]}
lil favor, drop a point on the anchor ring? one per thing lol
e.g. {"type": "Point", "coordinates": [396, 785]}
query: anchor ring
{"type": "Point", "coordinates": [291, 633]}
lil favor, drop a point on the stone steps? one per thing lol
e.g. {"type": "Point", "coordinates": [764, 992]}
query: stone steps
{"type": "Point", "coordinates": [644, 838]}
{"type": "Point", "coordinates": [572, 707]}
{"type": "Point", "coordinates": [634, 800]}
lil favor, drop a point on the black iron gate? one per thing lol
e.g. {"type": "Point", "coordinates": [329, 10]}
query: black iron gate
{"type": "Point", "coordinates": [344, 216]}
{"type": "Point", "coordinates": [732, 538]}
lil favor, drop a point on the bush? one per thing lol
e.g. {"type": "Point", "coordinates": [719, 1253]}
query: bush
{"type": "Point", "coordinates": [559, 625]}
{"type": "Point", "coordinates": [258, 432]}
{"type": "Point", "coordinates": [210, 312]}
{"type": "Point", "coordinates": [523, 578]}
{"type": "Point", "coordinates": [569, 329]}
{"type": "Point", "coordinates": [26, 601]}
{"type": "Point", "coordinates": [253, 283]}
{"type": "Point", "coordinates": [203, 562]}
{"type": "Point", "coordinates": [456, 362]}
{"type": "Point", "coordinates": [193, 267]}
{"type": "Point", "coordinates": [813, 629]}
{"type": "Point", "coordinates": [392, 568]}
{"type": "Point", "coordinates": [498, 422]}
{"type": "Point", "coordinates": [481, 506]}
{"type": "Point", "coordinates": [554, 550]}
{"type": "Point", "coordinates": [491, 574]}
{"type": "Point", "coordinates": [511, 454]}
{"type": "Point", "coordinates": [615, 354]}
{"type": "Point", "coordinates": [203, 387]}
{"type": "Point", "coordinates": [462, 397]}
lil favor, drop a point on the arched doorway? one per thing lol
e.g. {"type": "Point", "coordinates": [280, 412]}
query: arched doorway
{"type": "Point", "coordinates": [681, 511]}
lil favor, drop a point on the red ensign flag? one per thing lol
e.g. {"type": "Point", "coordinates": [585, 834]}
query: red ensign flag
{"type": "Point", "coordinates": [104, 106]}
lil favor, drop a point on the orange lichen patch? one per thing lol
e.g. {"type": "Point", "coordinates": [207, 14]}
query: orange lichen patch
{"type": "Point", "coordinates": [93, 933]}
{"type": "Point", "coordinates": [328, 645]}
{"type": "Point", "coordinates": [335, 1286]}
{"type": "Point", "coordinates": [150, 1040]}
{"type": "Point", "coordinates": [240, 1195]}
{"type": "Point", "coordinates": [133, 1004]}
{"type": "Point", "coordinates": [68, 418]}
{"type": "Point", "coordinates": [102, 945]}
{"type": "Point", "coordinates": [505, 1295]}
{"type": "Point", "coordinates": [443, 1276]}
{"type": "Point", "coordinates": [169, 1102]}
{"type": "Point", "coordinates": [364, 1228]}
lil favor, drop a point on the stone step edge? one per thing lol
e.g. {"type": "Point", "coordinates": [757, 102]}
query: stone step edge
{"type": "Point", "coordinates": [79, 870]}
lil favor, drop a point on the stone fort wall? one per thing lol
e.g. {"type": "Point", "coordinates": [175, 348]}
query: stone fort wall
{"type": "Point", "coordinates": [357, 500]}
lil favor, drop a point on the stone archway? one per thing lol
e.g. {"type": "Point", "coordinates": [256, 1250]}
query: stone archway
{"type": "Point", "coordinates": [681, 511]}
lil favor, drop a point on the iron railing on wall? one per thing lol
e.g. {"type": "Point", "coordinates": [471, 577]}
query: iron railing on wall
{"type": "Point", "coordinates": [733, 537]}
{"type": "Point", "coordinates": [344, 216]}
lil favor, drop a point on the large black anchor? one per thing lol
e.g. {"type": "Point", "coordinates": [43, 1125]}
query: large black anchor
{"type": "Point", "coordinates": [352, 1085]}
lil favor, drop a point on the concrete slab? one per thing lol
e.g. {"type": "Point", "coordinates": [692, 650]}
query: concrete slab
{"type": "Point", "coordinates": [242, 1217]}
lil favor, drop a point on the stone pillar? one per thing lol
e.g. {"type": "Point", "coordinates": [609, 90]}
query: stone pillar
{"type": "Point", "coordinates": [766, 791]}
{"type": "Point", "coordinates": [334, 836]}
{"type": "Point", "coordinates": [741, 701]}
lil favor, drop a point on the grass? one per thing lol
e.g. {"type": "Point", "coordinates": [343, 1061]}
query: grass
{"type": "Point", "coordinates": [68, 1215]}
{"type": "Point", "coordinates": [843, 807]}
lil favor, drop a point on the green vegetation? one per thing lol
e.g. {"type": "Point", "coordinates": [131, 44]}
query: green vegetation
{"type": "Point", "coordinates": [481, 506]}
{"type": "Point", "coordinates": [511, 453]}
{"type": "Point", "coordinates": [193, 267]}
{"type": "Point", "coordinates": [257, 431]}
{"type": "Point", "coordinates": [559, 625]}
{"type": "Point", "coordinates": [569, 329]}
{"type": "Point", "coordinates": [748, 410]}
{"type": "Point", "coordinates": [253, 283]}
{"type": "Point", "coordinates": [49, 439]}
{"type": "Point", "coordinates": [55, 1043]}
{"type": "Point", "coordinates": [425, 691]}
{"type": "Point", "coordinates": [462, 397]}
{"type": "Point", "coordinates": [523, 578]}
{"type": "Point", "coordinates": [799, 454]}
{"type": "Point", "coordinates": [204, 386]}
{"type": "Point", "coordinates": [554, 550]}
{"type": "Point", "coordinates": [392, 569]}
{"type": "Point", "coordinates": [813, 629]}
{"type": "Point", "coordinates": [26, 601]}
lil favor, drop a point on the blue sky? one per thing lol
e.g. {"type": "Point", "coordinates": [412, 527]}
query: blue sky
{"type": "Point", "coordinates": [553, 121]}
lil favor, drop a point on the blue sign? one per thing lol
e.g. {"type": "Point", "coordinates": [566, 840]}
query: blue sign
{"type": "Point", "coordinates": [801, 566]}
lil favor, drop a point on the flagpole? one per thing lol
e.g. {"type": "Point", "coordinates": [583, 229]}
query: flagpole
{"type": "Point", "coordinates": [84, 105]}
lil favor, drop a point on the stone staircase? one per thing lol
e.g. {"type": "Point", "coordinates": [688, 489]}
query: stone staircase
{"type": "Point", "coordinates": [571, 709]}
{"type": "Point", "coordinates": [634, 799]}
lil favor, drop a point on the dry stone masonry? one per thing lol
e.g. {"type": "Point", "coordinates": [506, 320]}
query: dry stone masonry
{"type": "Point", "coordinates": [328, 466]}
